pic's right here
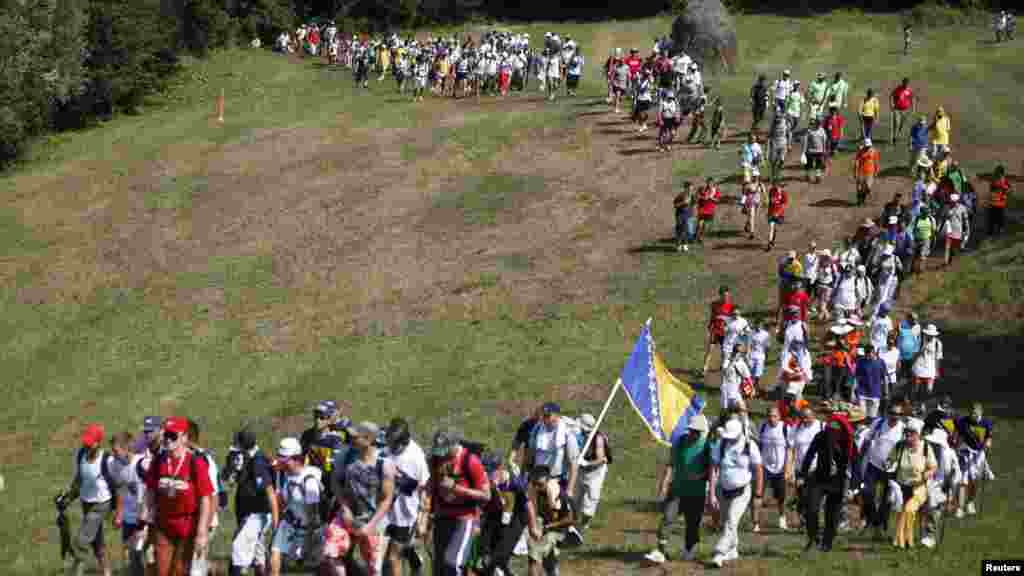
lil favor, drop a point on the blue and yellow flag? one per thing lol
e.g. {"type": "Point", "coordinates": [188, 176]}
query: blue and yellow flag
{"type": "Point", "coordinates": [665, 403]}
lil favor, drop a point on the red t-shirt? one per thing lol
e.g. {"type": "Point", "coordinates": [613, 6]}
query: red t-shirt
{"type": "Point", "coordinates": [778, 199]}
{"type": "Point", "coordinates": [177, 515]}
{"type": "Point", "coordinates": [795, 305]}
{"type": "Point", "coordinates": [468, 472]}
{"type": "Point", "coordinates": [903, 97]}
{"type": "Point", "coordinates": [634, 63]}
{"type": "Point", "coordinates": [719, 308]}
{"type": "Point", "coordinates": [708, 200]}
{"type": "Point", "coordinates": [835, 126]}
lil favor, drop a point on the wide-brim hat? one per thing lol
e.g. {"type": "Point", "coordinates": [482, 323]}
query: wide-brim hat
{"type": "Point", "coordinates": [732, 430]}
{"type": "Point", "coordinates": [937, 435]}
{"type": "Point", "coordinates": [698, 423]}
{"type": "Point", "coordinates": [930, 330]}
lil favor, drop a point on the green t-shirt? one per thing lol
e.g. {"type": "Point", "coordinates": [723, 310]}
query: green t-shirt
{"type": "Point", "coordinates": [689, 458]}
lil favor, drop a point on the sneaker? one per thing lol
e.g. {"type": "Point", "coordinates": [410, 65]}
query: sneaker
{"type": "Point", "coordinates": [735, 554]}
{"type": "Point", "coordinates": [959, 513]}
{"type": "Point", "coordinates": [689, 555]}
{"type": "Point", "coordinates": [989, 474]}
{"type": "Point", "coordinates": [971, 509]}
{"type": "Point", "coordinates": [756, 529]}
{"type": "Point", "coordinates": [655, 556]}
{"type": "Point", "coordinates": [782, 523]}
{"type": "Point", "coordinates": [928, 542]}
{"type": "Point", "coordinates": [686, 247]}
{"type": "Point", "coordinates": [718, 561]}
{"type": "Point", "coordinates": [573, 538]}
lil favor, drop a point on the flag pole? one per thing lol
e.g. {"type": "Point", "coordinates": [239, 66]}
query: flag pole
{"type": "Point", "coordinates": [600, 418]}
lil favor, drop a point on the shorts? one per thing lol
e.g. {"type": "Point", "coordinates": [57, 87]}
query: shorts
{"type": "Point", "coordinates": [669, 123]}
{"type": "Point", "coordinates": [815, 161]}
{"type": "Point", "coordinates": [833, 147]}
{"type": "Point", "coordinates": [289, 540]}
{"type": "Point", "coordinates": [706, 217]}
{"type": "Point", "coordinates": [128, 531]}
{"type": "Point", "coordinates": [867, 181]}
{"type": "Point", "coordinates": [777, 484]}
{"type": "Point", "coordinates": [748, 174]}
{"type": "Point", "coordinates": [642, 106]}
{"type": "Point", "coordinates": [572, 82]}
{"type": "Point", "coordinates": [618, 90]}
{"type": "Point", "coordinates": [776, 220]}
{"type": "Point", "coordinates": [756, 366]}
{"type": "Point", "coordinates": [923, 248]}
{"type": "Point", "coordinates": [717, 339]}
{"type": "Point", "coordinates": [546, 546]}
{"type": "Point", "coordinates": [460, 76]}
{"type": "Point", "coordinates": [954, 243]}
{"type": "Point", "coordinates": [247, 548]}
{"type": "Point", "coordinates": [400, 534]}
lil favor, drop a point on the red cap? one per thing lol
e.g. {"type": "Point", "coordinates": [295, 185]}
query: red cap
{"type": "Point", "coordinates": [92, 435]}
{"type": "Point", "coordinates": [176, 424]}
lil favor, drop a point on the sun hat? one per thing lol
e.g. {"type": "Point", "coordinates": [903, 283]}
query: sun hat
{"type": "Point", "coordinates": [92, 436]}
{"type": "Point", "coordinates": [862, 268]}
{"type": "Point", "coordinates": [931, 330]}
{"type": "Point", "coordinates": [868, 223]}
{"type": "Point", "coordinates": [698, 423]}
{"type": "Point", "coordinates": [289, 448]}
{"type": "Point", "coordinates": [587, 421]}
{"type": "Point", "coordinates": [732, 430]}
{"type": "Point", "coordinates": [914, 425]}
{"type": "Point", "coordinates": [889, 250]}
{"type": "Point", "coordinates": [937, 436]}
{"type": "Point", "coordinates": [867, 142]}
{"type": "Point", "coordinates": [893, 219]}
{"type": "Point", "coordinates": [364, 428]}
{"type": "Point", "coordinates": [954, 197]}
{"type": "Point", "coordinates": [821, 75]}
{"type": "Point", "coordinates": [785, 72]}
{"type": "Point", "coordinates": [826, 253]}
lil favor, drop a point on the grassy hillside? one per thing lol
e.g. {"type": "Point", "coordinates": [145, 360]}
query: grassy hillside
{"type": "Point", "coordinates": [118, 301]}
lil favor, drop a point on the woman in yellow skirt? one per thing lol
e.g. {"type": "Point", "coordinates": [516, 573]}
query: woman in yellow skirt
{"type": "Point", "coordinates": [913, 463]}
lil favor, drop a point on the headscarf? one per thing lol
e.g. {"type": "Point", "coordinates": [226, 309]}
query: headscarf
{"type": "Point", "coordinates": [846, 427]}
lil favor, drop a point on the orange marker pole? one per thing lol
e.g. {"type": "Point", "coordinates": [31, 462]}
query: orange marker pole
{"type": "Point", "coordinates": [220, 107]}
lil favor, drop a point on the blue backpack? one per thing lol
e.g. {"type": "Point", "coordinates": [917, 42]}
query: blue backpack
{"type": "Point", "coordinates": [907, 342]}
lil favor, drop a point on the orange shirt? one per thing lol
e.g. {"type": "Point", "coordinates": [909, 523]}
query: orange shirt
{"type": "Point", "coordinates": [866, 163]}
{"type": "Point", "coordinates": [1000, 189]}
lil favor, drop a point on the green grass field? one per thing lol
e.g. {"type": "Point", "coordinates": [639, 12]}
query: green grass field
{"type": "Point", "coordinates": [85, 341]}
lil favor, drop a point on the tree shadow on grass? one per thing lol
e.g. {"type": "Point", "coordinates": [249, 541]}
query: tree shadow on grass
{"type": "Point", "coordinates": [611, 132]}
{"type": "Point", "coordinates": [636, 151]}
{"type": "Point", "coordinates": [612, 123]}
{"type": "Point", "coordinates": [895, 172]}
{"type": "Point", "coordinates": [665, 246]}
{"type": "Point", "coordinates": [591, 113]}
{"type": "Point", "coordinates": [591, 103]}
{"type": "Point", "coordinates": [740, 246]}
{"type": "Point", "coordinates": [833, 203]}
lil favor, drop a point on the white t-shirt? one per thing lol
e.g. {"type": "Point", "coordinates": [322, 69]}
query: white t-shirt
{"type": "Point", "coordinates": [782, 89]}
{"type": "Point", "coordinates": [774, 446]}
{"type": "Point", "coordinates": [735, 463]}
{"type": "Point", "coordinates": [554, 66]}
{"type": "Point", "coordinates": [733, 374]}
{"type": "Point", "coordinates": [891, 357]}
{"type": "Point", "coordinates": [882, 443]}
{"type": "Point", "coordinates": [131, 488]}
{"type": "Point", "coordinates": [301, 490]}
{"type": "Point", "coordinates": [881, 327]}
{"type": "Point", "coordinates": [411, 463]}
{"type": "Point", "coordinates": [94, 488]}
{"type": "Point", "coordinates": [733, 330]}
{"type": "Point", "coordinates": [800, 438]}
{"type": "Point", "coordinates": [760, 341]}
{"type": "Point", "coordinates": [927, 363]}
{"type": "Point", "coordinates": [553, 447]}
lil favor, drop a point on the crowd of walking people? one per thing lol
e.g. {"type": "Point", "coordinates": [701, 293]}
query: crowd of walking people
{"type": "Point", "coordinates": [348, 497]}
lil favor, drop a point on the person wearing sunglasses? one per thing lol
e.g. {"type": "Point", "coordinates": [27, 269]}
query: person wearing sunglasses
{"type": "Point", "coordinates": [884, 435]}
{"type": "Point", "coordinates": [322, 444]}
{"type": "Point", "coordinates": [178, 487]}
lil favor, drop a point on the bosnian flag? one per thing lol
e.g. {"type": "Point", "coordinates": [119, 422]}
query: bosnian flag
{"type": "Point", "coordinates": [665, 404]}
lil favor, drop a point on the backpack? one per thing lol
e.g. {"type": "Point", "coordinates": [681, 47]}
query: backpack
{"type": "Point", "coordinates": [760, 94]}
{"type": "Point", "coordinates": [222, 495]}
{"type": "Point", "coordinates": [108, 477]}
{"type": "Point", "coordinates": [247, 480]}
{"type": "Point", "coordinates": [907, 342]}
{"type": "Point", "coordinates": [581, 439]}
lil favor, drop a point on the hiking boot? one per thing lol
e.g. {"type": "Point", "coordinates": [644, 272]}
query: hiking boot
{"type": "Point", "coordinates": [928, 542]}
{"type": "Point", "coordinates": [655, 556]}
{"type": "Point", "coordinates": [718, 561]}
{"type": "Point", "coordinates": [689, 554]}
{"type": "Point", "coordinates": [782, 523]}
{"type": "Point", "coordinates": [971, 509]}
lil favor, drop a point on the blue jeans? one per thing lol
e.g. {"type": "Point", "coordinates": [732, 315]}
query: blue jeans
{"type": "Point", "coordinates": [876, 511]}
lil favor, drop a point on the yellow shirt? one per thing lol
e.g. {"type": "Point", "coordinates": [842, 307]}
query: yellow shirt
{"type": "Point", "coordinates": [869, 109]}
{"type": "Point", "coordinates": [912, 465]}
{"type": "Point", "coordinates": [940, 133]}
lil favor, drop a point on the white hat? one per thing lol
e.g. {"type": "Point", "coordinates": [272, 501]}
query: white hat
{"type": "Point", "coordinates": [867, 142]}
{"type": "Point", "coordinates": [791, 254]}
{"type": "Point", "coordinates": [931, 330]}
{"type": "Point", "coordinates": [860, 351]}
{"type": "Point", "coordinates": [699, 423]}
{"type": "Point", "coordinates": [826, 253]}
{"type": "Point", "coordinates": [855, 322]}
{"type": "Point", "coordinates": [924, 162]}
{"type": "Point", "coordinates": [587, 421]}
{"type": "Point", "coordinates": [785, 72]}
{"type": "Point", "coordinates": [289, 448]}
{"type": "Point", "coordinates": [868, 223]}
{"type": "Point", "coordinates": [914, 425]}
{"type": "Point", "coordinates": [954, 197]}
{"type": "Point", "coordinates": [862, 268]}
{"type": "Point", "coordinates": [732, 430]}
{"type": "Point", "coordinates": [893, 219]}
{"type": "Point", "coordinates": [889, 250]}
{"type": "Point", "coordinates": [938, 436]}
{"type": "Point", "coordinates": [841, 329]}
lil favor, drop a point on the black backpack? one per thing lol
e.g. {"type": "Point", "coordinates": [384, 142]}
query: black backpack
{"type": "Point", "coordinates": [247, 486]}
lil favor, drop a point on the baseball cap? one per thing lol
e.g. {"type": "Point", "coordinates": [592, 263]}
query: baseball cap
{"type": "Point", "coordinates": [151, 423]}
{"type": "Point", "coordinates": [92, 435]}
{"type": "Point", "coordinates": [444, 442]}
{"type": "Point", "coordinates": [587, 421]}
{"type": "Point", "coordinates": [551, 408]}
{"type": "Point", "coordinates": [732, 430]}
{"type": "Point", "coordinates": [177, 424]}
{"type": "Point", "coordinates": [326, 407]}
{"type": "Point", "coordinates": [289, 448]}
{"type": "Point", "coordinates": [245, 439]}
{"type": "Point", "coordinates": [699, 423]}
{"type": "Point", "coordinates": [364, 428]}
